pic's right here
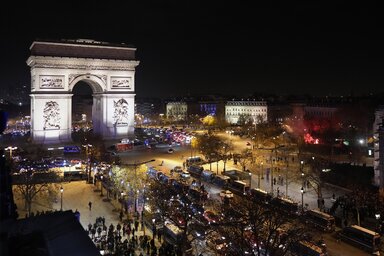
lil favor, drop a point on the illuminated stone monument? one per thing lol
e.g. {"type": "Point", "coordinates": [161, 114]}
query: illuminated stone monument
{"type": "Point", "coordinates": [57, 66]}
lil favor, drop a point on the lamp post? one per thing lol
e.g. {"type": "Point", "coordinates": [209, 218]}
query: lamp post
{"type": "Point", "coordinates": [258, 177]}
{"type": "Point", "coordinates": [274, 149]}
{"type": "Point", "coordinates": [61, 198]}
{"type": "Point", "coordinates": [87, 146]}
{"type": "Point", "coordinates": [250, 180]}
{"type": "Point", "coordinates": [262, 170]}
{"type": "Point", "coordinates": [302, 198]}
{"type": "Point", "coordinates": [10, 148]}
{"type": "Point", "coordinates": [286, 177]}
{"type": "Point", "coordinates": [122, 200]}
{"type": "Point", "coordinates": [101, 185]}
{"type": "Point", "coordinates": [377, 215]}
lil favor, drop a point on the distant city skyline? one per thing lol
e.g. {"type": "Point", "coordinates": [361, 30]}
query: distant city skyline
{"type": "Point", "coordinates": [216, 48]}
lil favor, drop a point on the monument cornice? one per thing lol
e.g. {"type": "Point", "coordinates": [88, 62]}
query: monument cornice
{"type": "Point", "coordinates": [81, 63]}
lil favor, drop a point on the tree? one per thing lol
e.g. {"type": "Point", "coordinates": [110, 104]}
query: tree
{"type": "Point", "coordinates": [257, 230]}
{"type": "Point", "coordinates": [224, 151]}
{"type": "Point", "coordinates": [30, 184]}
{"type": "Point", "coordinates": [245, 158]}
{"type": "Point", "coordinates": [129, 178]}
{"type": "Point", "coordinates": [314, 176]}
{"type": "Point", "coordinates": [209, 121]}
{"type": "Point", "coordinates": [210, 146]}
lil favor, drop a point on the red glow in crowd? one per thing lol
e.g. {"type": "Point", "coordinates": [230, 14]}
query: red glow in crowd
{"type": "Point", "coordinates": [309, 139]}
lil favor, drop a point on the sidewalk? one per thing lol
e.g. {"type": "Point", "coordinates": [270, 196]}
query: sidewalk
{"type": "Point", "coordinates": [76, 196]}
{"type": "Point", "coordinates": [111, 209]}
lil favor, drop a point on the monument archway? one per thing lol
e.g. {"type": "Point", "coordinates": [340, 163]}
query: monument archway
{"type": "Point", "coordinates": [57, 66]}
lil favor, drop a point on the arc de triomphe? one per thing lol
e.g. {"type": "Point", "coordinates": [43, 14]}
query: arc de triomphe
{"type": "Point", "coordinates": [57, 66]}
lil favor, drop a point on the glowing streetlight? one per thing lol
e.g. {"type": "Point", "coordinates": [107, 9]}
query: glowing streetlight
{"type": "Point", "coordinates": [302, 198]}
{"type": "Point", "coordinates": [122, 200]}
{"type": "Point", "coordinates": [101, 185]}
{"type": "Point", "coordinates": [61, 200]}
{"type": "Point", "coordinates": [10, 149]}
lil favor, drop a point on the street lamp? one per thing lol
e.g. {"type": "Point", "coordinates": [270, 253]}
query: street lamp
{"type": "Point", "coordinates": [302, 198]}
{"type": "Point", "coordinates": [250, 180]}
{"type": "Point", "coordinates": [274, 149]}
{"type": "Point", "coordinates": [87, 146]}
{"type": "Point", "coordinates": [377, 215]}
{"type": "Point", "coordinates": [122, 200]}
{"type": "Point", "coordinates": [101, 185]}
{"type": "Point", "coordinates": [10, 148]}
{"type": "Point", "coordinates": [61, 200]}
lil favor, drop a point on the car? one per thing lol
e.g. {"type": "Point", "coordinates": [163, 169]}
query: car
{"type": "Point", "coordinates": [170, 151]}
{"type": "Point", "coordinates": [179, 219]}
{"type": "Point", "coordinates": [226, 193]}
{"type": "Point", "coordinates": [216, 242]}
{"type": "Point", "coordinates": [178, 169]}
{"type": "Point", "coordinates": [197, 209]}
{"type": "Point", "coordinates": [199, 231]}
{"type": "Point", "coordinates": [211, 217]}
{"type": "Point", "coordinates": [185, 175]}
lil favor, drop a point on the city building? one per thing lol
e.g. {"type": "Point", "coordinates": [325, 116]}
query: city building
{"type": "Point", "coordinates": [378, 136]}
{"type": "Point", "coordinates": [243, 111]}
{"type": "Point", "coordinates": [177, 111]}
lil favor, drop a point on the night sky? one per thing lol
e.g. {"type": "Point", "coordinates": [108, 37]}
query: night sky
{"type": "Point", "coordinates": [227, 47]}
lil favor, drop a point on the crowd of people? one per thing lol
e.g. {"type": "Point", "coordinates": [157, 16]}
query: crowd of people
{"type": "Point", "coordinates": [125, 239]}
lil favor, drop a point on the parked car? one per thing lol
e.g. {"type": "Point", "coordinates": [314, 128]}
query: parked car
{"type": "Point", "coordinates": [211, 217]}
{"type": "Point", "coordinates": [178, 169]}
{"type": "Point", "coordinates": [185, 175]}
{"type": "Point", "coordinates": [226, 193]}
{"type": "Point", "coordinates": [217, 242]}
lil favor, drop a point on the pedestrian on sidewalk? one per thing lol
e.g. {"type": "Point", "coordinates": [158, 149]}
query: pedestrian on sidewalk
{"type": "Point", "coordinates": [121, 216]}
{"type": "Point", "coordinates": [90, 205]}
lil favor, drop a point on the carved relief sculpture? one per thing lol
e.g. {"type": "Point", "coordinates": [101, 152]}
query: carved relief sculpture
{"type": "Point", "coordinates": [52, 82]}
{"type": "Point", "coordinates": [121, 82]}
{"type": "Point", "coordinates": [120, 115]}
{"type": "Point", "coordinates": [51, 116]}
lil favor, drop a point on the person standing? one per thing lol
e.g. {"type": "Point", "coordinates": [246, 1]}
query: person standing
{"type": "Point", "coordinates": [90, 205]}
{"type": "Point", "coordinates": [121, 216]}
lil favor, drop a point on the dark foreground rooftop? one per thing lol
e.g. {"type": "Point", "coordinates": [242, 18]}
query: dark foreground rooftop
{"type": "Point", "coordinates": [56, 234]}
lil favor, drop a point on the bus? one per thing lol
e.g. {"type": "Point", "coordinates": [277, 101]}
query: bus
{"type": "Point", "coordinates": [194, 160]}
{"type": "Point", "coordinates": [361, 237]}
{"type": "Point", "coordinates": [285, 205]}
{"type": "Point", "coordinates": [207, 175]}
{"type": "Point", "coordinates": [306, 248]}
{"type": "Point", "coordinates": [173, 234]}
{"type": "Point", "coordinates": [239, 187]}
{"type": "Point", "coordinates": [221, 180]}
{"type": "Point", "coordinates": [259, 195]}
{"type": "Point", "coordinates": [320, 220]}
{"type": "Point", "coordinates": [195, 170]}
